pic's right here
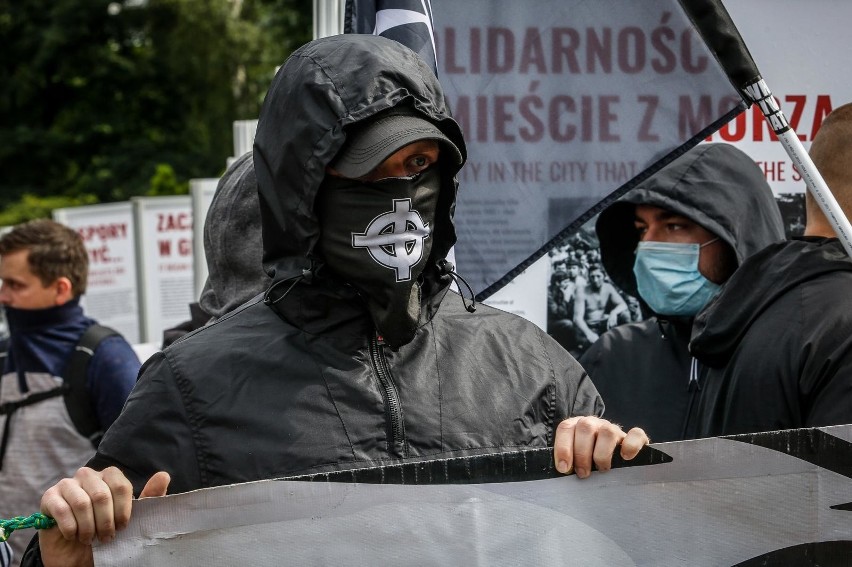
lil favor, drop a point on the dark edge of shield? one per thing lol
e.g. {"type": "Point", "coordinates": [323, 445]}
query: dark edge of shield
{"type": "Point", "coordinates": [814, 446]}
{"type": "Point", "coordinates": [515, 466]}
{"type": "Point", "coordinates": [819, 553]}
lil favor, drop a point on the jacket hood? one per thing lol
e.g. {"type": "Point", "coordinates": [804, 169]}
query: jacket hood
{"type": "Point", "coordinates": [323, 88]}
{"type": "Point", "coordinates": [232, 242]}
{"type": "Point", "coordinates": [753, 288]}
{"type": "Point", "coordinates": [715, 185]}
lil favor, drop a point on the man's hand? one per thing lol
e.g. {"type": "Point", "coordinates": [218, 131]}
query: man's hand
{"type": "Point", "coordinates": [581, 441]}
{"type": "Point", "coordinates": [591, 336]}
{"type": "Point", "coordinates": [90, 505]}
{"type": "Point", "coordinates": [612, 320]}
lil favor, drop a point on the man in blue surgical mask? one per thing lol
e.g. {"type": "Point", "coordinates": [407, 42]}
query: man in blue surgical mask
{"type": "Point", "coordinates": [674, 241]}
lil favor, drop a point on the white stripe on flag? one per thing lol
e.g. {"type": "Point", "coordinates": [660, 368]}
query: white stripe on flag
{"type": "Point", "coordinates": [390, 18]}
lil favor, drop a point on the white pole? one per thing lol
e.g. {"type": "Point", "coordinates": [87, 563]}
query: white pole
{"type": "Point", "coordinates": [760, 94]}
{"type": "Point", "coordinates": [328, 17]}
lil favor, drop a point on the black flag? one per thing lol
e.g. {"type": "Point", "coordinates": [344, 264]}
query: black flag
{"type": "Point", "coordinates": [406, 21]}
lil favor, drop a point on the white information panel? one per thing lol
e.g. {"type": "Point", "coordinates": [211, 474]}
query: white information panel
{"type": "Point", "coordinates": [111, 295]}
{"type": "Point", "coordinates": [165, 256]}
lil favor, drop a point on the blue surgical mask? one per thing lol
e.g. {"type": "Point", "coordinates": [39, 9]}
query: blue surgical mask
{"type": "Point", "coordinates": [668, 278]}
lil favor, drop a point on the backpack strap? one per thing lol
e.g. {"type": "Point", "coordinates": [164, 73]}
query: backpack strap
{"type": "Point", "coordinates": [9, 408]}
{"type": "Point", "coordinates": [78, 402]}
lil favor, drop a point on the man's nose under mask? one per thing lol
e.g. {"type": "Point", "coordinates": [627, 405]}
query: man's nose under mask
{"type": "Point", "coordinates": [377, 236]}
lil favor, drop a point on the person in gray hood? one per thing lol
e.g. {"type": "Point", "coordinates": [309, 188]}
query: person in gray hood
{"type": "Point", "coordinates": [358, 354]}
{"type": "Point", "coordinates": [673, 241]}
{"type": "Point", "coordinates": [232, 242]}
{"type": "Point", "coordinates": [232, 250]}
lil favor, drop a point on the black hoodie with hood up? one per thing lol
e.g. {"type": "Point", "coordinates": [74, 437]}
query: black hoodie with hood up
{"type": "Point", "coordinates": [300, 384]}
{"type": "Point", "coordinates": [778, 342]}
{"type": "Point", "coordinates": [643, 370]}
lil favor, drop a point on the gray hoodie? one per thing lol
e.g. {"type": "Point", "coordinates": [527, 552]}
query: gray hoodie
{"type": "Point", "coordinates": [232, 242]}
{"type": "Point", "coordinates": [232, 248]}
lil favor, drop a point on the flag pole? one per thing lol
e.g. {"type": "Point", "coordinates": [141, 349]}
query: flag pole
{"type": "Point", "coordinates": [760, 94]}
{"type": "Point", "coordinates": [715, 25]}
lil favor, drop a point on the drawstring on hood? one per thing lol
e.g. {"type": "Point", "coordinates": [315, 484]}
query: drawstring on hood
{"type": "Point", "coordinates": [306, 276]}
{"type": "Point", "coordinates": [445, 267]}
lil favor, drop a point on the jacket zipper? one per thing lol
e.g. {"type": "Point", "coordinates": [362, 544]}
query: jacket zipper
{"type": "Point", "coordinates": [393, 409]}
{"type": "Point", "coordinates": [694, 389]}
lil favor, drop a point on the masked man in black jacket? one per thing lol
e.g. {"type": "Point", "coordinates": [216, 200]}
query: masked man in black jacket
{"type": "Point", "coordinates": [359, 354]}
{"type": "Point", "coordinates": [673, 241]}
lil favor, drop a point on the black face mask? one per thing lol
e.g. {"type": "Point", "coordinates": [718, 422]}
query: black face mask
{"type": "Point", "coordinates": [377, 236]}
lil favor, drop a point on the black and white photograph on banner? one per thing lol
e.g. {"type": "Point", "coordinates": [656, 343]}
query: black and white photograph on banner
{"type": "Point", "coordinates": [582, 301]}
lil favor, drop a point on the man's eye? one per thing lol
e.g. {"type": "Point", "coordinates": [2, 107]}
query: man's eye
{"type": "Point", "coordinates": [419, 161]}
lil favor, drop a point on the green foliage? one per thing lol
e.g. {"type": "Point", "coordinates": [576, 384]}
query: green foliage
{"type": "Point", "coordinates": [94, 100]}
{"type": "Point", "coordinates": [33, 207]}
{"type": "Point", "coordinates": [165, 182]}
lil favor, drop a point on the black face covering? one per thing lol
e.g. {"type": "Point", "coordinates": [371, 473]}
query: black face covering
{"type": "Point", "coordinates": [377, 236]}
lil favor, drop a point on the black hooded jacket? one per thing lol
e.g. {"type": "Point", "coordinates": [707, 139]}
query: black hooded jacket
{"type": "Point", "coordinates": [778, 341]}
{"type": "Point", "coordinates": [301, 384]}
{"type": "Point", "coordinates": [644, 370]}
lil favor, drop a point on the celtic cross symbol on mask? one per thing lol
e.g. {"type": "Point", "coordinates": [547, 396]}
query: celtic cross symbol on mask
{"type": "Point", "coordinates": [395, 239]}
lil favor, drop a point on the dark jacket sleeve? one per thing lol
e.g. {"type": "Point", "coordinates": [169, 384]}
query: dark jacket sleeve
{"type": "Point", "coordinates": [111, 376]}
{"type": "Point", "coordinates": [575, 386]}
{"type": "Point", "coordinates": [824, 370]}
{"type": "Point", "coordinates": [591, 357]}
{"type": "Point", "coordinates": [587, 400]}
{"type": "Point", "coordinates": [153, 432]}
{"type": "Point", "coordinates": [32, 555]}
